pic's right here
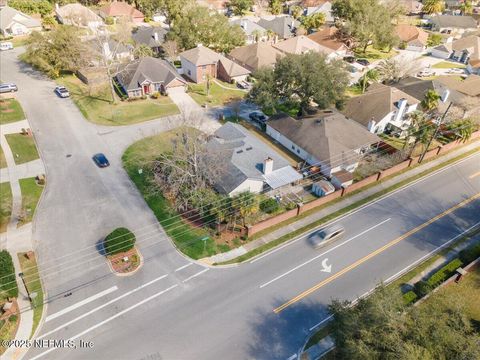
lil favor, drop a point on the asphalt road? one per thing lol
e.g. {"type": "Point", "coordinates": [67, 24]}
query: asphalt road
{"type": "Point", "coordinates": [176, 309]}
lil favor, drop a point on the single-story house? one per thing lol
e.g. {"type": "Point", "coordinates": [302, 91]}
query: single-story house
{"type": "Point", "coordinates": [415, 38]}
{"type": "Point", "coordinates": [77, 15]}
{"type": "Point", "coordinates": [283, 26]}
{"type": "Point", "coordinates": [465, 50]}
{"type": "Point", "coordinates": [299, 45]}
{"type": "Point", "coordinates": [14, 22]}
{"type": "Point", "coordinates": [469, 86]}
{"type": "Point", "coordinates": [112, 49]}
{"type": "Point", "coordinates": [255, 56]}
{"type": "Point", "coordinates": [120, 9]}
{"type": "Point", "coordinates": [453, 24]}
{"type": "Point", "coordinates": [147, 76]}
{"type": "Point", "coordinates": [151, 36]}
{"type": "Point", "coordinates": [412, 7]}
{"type": "Point", "coordinates": [318, 6]}
{"type": "Point", "coordinates": [382, 109]}
{"type": "Point", "coordinates": [247, 163]}
{"type": "Point", "coordinates": [200, 62]}
{"type": "Point", "coordinates": [253, 32]}
{"type": "Point", "coordinates": [328, 140]}
{"type": "Point", "coordinates": [325, 37]}
{"type": "Point", "coordinates": [417, 88]}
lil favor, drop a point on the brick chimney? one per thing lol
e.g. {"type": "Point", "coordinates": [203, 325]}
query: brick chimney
{"type": "Point", "coordinates": [267, 166]}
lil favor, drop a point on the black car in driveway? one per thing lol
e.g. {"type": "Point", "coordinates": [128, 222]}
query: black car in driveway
{"type": "Point", "coordinates": [363, 62]}
{"type": "Point", "coordinates": [101, 160]}
{"type": "Point", "coordinates": [258, 117]}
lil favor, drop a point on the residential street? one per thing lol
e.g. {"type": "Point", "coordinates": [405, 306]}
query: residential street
{"type": "Point", "coordinates": [177, 309]}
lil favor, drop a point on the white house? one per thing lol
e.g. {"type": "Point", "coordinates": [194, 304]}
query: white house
{"type": "Point", "coordinates": [77, 15]}
{"type": "Point", "coordinates": [382, 109]}
{"type": "Point", "coordinates": [328, 140]}
{"type": "Point", "coordinates": [246, 163]}
{"type": "Point", "coordinates": [14, 22]}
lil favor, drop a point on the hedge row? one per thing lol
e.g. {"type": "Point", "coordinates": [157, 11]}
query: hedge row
{"type": "Point", "coordinates": [470, 254]}
{"type": "Point", "coordinates": [444, 273]}
{"type": "Point", "coordinates": [8, 282]}
{"type": "Point", "coordinates": [409, 297]}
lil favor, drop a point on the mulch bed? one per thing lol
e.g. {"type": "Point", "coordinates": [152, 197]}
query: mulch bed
{"type": "Point", "coordinates": [124, 267]}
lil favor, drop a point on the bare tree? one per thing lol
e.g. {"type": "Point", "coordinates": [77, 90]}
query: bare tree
{"type": "Point", "coordinates": [171, 49]}
{"type": "Point", "coordinates": [107, 48]}
{"type": "Point", "coordinates": [395, 69]}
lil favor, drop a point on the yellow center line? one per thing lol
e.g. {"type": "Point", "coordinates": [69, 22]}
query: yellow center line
{"type": "Point", "coordinates": [369, 256]}
{"type": "Point", "coordinates": [474, 175]}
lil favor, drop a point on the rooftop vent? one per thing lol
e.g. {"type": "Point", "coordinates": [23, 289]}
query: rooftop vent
{"type": "Point", "coordinates": [239, 151]}
{"type": "Point", "coordinates": [249, 148]}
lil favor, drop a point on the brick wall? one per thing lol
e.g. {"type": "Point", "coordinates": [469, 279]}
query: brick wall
{"type": "Point", "coordinates": [368, 180]}
{"type": "Point", "coordinates": [399, 167]}
{"type": "Point", "coordinates": [323, 200]}
{"type": "Point", "coordinates": [262, 225]}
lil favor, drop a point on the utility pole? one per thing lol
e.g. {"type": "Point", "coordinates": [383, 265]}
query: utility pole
{"type": "Point", "coordinates": [439, 123]}
{"type": "Point", "coordinates": [26, 288]}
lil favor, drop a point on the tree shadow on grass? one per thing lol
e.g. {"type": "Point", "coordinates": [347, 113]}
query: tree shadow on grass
{"type": "Point", "coordinates": [279, 336]}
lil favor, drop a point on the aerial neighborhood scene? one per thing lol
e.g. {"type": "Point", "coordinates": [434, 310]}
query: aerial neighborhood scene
{"type": "Point", "coordinates": [239, 179]}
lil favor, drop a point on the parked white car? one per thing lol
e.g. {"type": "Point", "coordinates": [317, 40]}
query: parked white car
{"type": "Point", "coordinates": [455, 71]}
{"type": "Point", "coordinates": [6, 45]}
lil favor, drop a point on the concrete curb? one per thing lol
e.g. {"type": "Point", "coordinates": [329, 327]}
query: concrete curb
{"type": "Point", "coordinates": [130, 273]}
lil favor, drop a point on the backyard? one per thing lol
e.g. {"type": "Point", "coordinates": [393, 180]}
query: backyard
{"type": "Point", "coordinates": [30, 195]}
{"type": "Point", "coordinates": [218, 95]}
{"type": "Point", "coordinates": [5, 205]}
{"type": "Point", "coordinates": [23, 147]}
{"type": "Point", "coordinates": [96, 105]}
{"type": "Point", "coordinates": [10, 111]}
{"type": "Point", "coordinates": [372, 54]}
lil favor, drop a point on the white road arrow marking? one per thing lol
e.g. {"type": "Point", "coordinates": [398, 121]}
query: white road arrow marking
{"type": "Point", "coordinates": [326, 268]}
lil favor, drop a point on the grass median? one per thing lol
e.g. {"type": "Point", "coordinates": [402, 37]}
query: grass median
{"type": "Point", "coordinates": [31, 192]}
{"type": "Point", "coordinates": [338, 213]}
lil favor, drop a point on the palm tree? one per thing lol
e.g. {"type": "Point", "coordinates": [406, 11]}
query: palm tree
{"type": "Point", "coordinates": [420, 129]}
{"type": "Point", "coordinates": [371, 75]}
{"type": "Point", "coordinates": [433, 6]}
{"type": "Point", "coordinates": [463, 128]}
{"type": "Point", "coordinates": [467, 7]}
{"type": "Point", "coordinates": [245, 204]}
{"type": "Point", "coordinates": [430, 101]}
{"type": "Point", "coordinates": [296, 11]}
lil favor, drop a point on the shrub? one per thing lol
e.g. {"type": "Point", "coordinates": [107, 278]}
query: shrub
{"type": "Point", "coordinates": [119, 240]}
{"type": "Point", "coordinates": [8, 282]}
{"type": "Point", "coordinates": [402, 45]}
{"type": "Point", "coordinates": [422, 288]}
{"type": "Point", "coordinates": [291, 205]}
{"type": "Point", "coordinates": [155, 95]}
{"type": "Point", "coordinates": [409, 297]}
{"type": "Point", "coordinates": [109, 20]}
{"type": "Point", "coordinates": [444, 273]}
{"type": "Point", "coordinates": [470, 254]}
{"type": "Point", "coordinates": [269, 206]}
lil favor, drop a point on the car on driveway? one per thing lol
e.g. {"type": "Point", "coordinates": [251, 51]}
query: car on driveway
{"type": "Point", "coordinates": [426, 73]}
{"type": "Point", "coordinates": [101, 160]}
{"type": "Point", "coordinates": [324, 236]}
{"type": "Point", "coordinates": [258, 117]}
{"type": "Point", "coordinates": [62, 91]}
{"type": "Point", "coordinates": [363, 62]}
{"type": "Point", "coordinates": [244, 85]}
{"type": "Point", "coordinates": [6, 45]}
{"type": "Point", "coordinates": [8, 87]}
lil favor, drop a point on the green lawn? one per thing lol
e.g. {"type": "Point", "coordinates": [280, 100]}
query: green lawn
{"type": "Point", "coordinates": [30, 195]}
{"type": "Point", "coordinates": [32, 278]}
{"type": "Point", "coordinates": [23, 148]}
{"type": "Point", "coordinates": [373, 54]}
{"type": "Point", "coordinates": [98, 108]}
{"type": "Point", "coordinates": [185, 237]}
{"type": "Point", "coordinates": [354, 90]}
{"type": "Point", "coordinates": [10, 111]}
{"type": "Point", "coordinates": [448, 65]}
{"type": "Point", "coordinates": [3, 162]}
{"type": "Point", "coordinates": [5, 205]}
{"type": "Point", "coordinates": [218, 95]}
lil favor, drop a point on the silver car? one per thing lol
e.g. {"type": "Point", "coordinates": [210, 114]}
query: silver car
{"type": "Point", "coordinates": [8, 87]}
{"type": "Point", "coordinates": [325, 236]}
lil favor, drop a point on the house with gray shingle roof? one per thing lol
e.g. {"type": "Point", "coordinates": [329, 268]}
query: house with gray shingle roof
{"type": "Point", "coordinates": [382, 109]}
{"type": "Point", "coordinates": [327, 139]}
{"type": "Point", "coordinates": [77, 15]}
{"type": "Point", "coordinates": [453, 24]}
{"type": "Point", "coordinates": [14, 22]}
{"type": "Point", "coordinates": [284, 26]}
{"type": "Point", "coordinates": [151, 36]}
{"type": "Point", "coordinates": [253, 31]}
{"type": "Point", "coordinates": [147, 76]}
{"type": "Point", "coordinates": [247, 163]}
{"type": "Point", "coordinates": [199, 63]}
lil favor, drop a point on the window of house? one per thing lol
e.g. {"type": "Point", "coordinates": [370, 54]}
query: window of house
{"type": "Point", "coordinates": [298, 151]}
{"type": "Point", "coordinates": [189, 72]}
{"type": "Point", "coordinates": [293, 147]}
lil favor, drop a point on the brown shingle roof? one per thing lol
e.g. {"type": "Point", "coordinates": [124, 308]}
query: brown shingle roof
{"type": "Point", "coordinates": [120, 8]}
{"type": "Point", "coordinates": [409, 33]}
{"type": "Point", "coordinates": [256, 55]}
{"type": "Point", "coordinates": [326, 38]}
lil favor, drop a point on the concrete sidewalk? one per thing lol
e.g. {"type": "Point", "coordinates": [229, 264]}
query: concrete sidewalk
{"type": "Point", "coordinates": [344, 202]}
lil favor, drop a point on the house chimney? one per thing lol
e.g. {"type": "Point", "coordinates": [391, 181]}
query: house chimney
{"type": "Point", "coordinates": [243, 24]}
{"type": "Point", "coordinates": [401, 104]}
{"type": "Point", "coordinates": [155, 35]}
{"type": "Point", "coordinates": [267, 166]}
{"type": "Point", "coordinates": [57, 6]}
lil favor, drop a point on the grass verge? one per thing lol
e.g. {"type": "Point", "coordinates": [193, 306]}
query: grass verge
{"type": "Point", "coordinates": [448, 65]}
{"type": "Point", "coordinates": [338, 213]}
{"type": "Point", "coordinates": [30, 195]}
{"type": "Point", "coordinates": [23, 148]}
{"type": "Point", "coordinates": [3, 161]}
{"type": "Point", "coordinates": [5, 205]}
{"type": "Point", "coordinates": [97, 107]}
{"type": "Point", "coordinates": [32, 279]}
{"type": "Point", "coordinates": [10, 111]}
